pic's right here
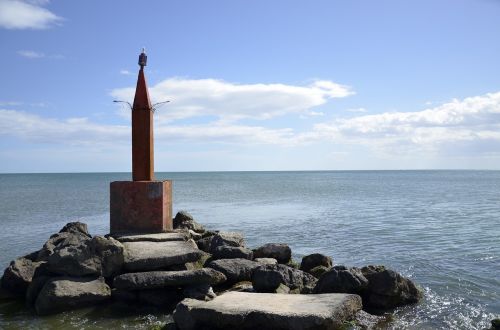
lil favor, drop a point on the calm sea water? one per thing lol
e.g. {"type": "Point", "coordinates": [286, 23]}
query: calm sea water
{"type": "Point", "coordinates": [440, 228]}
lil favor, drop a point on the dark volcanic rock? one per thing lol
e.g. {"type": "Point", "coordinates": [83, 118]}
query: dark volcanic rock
{"type": "Point", "coordinates": [76, 228]}
{"type": "Point", "coordinates": [184, 220]}
{"type": "Point", "coordinates": [236, 270]}
{"type": "Point", "coordinates": [388, 289]}
{"type": "Point", "coordinates": [318, 271]}
{"type": "Point", "coordinates": [341, 279]}
{"type": "Point", "coordinates": [17, 277]}
{"type": "Point", "coordinates": [226, 239]}
{"type": "Point", "coordinates": [110, 253]}
{"type": "Point", "coordinates": [34, 289]}
{"type": "Point", "coordinates": [267, 278]}
{"type": "Point", "coordinates": [278, 251]}
{"type": "Point", "coordinates": [205, 244]}
{"type": "Point", "coordinates": [314, 260]}
{"type": "Point", "coordinates": [166, 298]}
{"type": "Point", "coordinates": [165, 279]}
{"type": "Point", "coordinates": [60, 240]}
{"type": "Point", "coordinates": [232, 252]}
{"type": "Point", "coordinates": [65, 293]}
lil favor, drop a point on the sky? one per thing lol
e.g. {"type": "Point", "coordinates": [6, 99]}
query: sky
{"type": "Point", "coordinates": [252, 85]}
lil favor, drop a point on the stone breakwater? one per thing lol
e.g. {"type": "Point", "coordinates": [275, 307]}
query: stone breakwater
{"type": "Point", "coordinates": [209, 279]}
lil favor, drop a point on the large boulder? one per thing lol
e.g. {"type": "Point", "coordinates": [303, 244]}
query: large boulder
{"type": "Point", "coordinates": [146, 256]}
{"type": "Point", "coordinates": [60, 240]}
{"type": "Point", "coordinates": [241, 310]}
{"type": "Point", "coordinates": [341, 279]}
{"type": "Point", "coordinates": [65, 293]}
{"type": "Point", "coordinates": [388, 289]}
{"type": "Point", "coordinates": [235, 270]}
{"type": "Point", "coordinates": [165, 298]}
{"type": "Point", "coordinates": [91, 257]}
{"type": "Point", "coordinates": [226, 239]}
{"type": "Point", "coordinates": [18, 276]}
{"type": "Point", "coordinates": [184, 220]}
{"type": "Point", "coordinates": [267, 278]}
{"type": "Point", "coordinates": [205, 244]}
{"type": "Point", "coordinates": [110, 253]}
{"type": "Point", "coordinates": [232, 252]}
{"type": "Point", "coordinates": [165, 279]}
{"type": "Point", "coordinates": [314, 260]}
{"type": "Point", "coordinates": [278, 251]}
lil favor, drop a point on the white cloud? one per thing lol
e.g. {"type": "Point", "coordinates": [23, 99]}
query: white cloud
{"type": "Point", "coordinates": [125, 72]}
{"type": "Point", "coordinates": [81, 131]}
{"type": "Point", "coordinates": [471, 120]}
{"type": "Point", "coordinates": [16, 14]}
{"type": "Point", "coordinates": [231, 102]}
{"type": "Point", "coordinates": [30, 54]}
{"type": "Point", "coordinates": [357, 110]}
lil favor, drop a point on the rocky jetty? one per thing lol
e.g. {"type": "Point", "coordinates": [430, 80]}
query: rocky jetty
{"type": "Point", "coordinates": [209, 279]}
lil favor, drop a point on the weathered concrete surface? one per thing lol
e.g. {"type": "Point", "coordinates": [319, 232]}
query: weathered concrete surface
{"type": "Point", "coordinates": [159, 237]}
{"type": "Point", "coordinates": [140, 206]}
{"type": "Point", "coordinates": [241, 310]}
{"type": "Point", "coordinates": [64, 293]}
{"type": "Point", "coordinates": [163, 279]}
{"type": "Point", "coordinates": [144, 256]}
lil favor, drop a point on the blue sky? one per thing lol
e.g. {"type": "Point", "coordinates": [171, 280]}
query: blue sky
{"type": "Point", "coordinates": [253, 85]}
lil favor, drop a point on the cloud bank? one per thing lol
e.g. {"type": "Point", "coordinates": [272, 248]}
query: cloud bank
{"type": "Point", "coordinates": [232, 102]}
{"type": "Point", "coordinates": [16, 14]}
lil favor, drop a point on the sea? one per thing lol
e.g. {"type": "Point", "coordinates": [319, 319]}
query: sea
{"type": "Point", "coordinates": [439, 228]}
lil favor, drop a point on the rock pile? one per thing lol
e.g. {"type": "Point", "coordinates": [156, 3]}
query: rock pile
{"type": "Point", "coordinates": [214, 272]}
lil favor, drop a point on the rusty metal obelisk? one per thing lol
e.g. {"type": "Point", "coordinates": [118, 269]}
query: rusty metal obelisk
{"type": "Point", "coordinates": [142, 205]}
{"type": "Point", "coordinates": [142, 128]}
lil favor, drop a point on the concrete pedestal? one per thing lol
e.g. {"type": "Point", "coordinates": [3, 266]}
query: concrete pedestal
{"type": "Point", "coordinates": [141, 206]}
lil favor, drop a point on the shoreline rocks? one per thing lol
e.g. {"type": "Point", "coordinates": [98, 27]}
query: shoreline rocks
{"type": "Point", "coordinates": [265, 287]}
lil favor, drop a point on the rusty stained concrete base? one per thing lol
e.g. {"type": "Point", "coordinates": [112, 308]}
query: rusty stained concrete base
{"type": "Point", "coordinates": [140, 206]}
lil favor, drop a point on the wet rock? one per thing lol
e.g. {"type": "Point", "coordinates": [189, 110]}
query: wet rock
{"type": "Point", "coordinates": [495, 324]}
{"type": "Point", "coordinates": [163, 279]}
{"type": "Point", "coordinates": [17, 277]}
{"type": "Point", "coordinates": [341, 279]}
{"type": "Point", "coordinates": [235, 270]}
{"type": "Point", "coordinates": [367, 321]}
{"type": "Point", "coordinates": [278, 251]}
{"type": "Point", "coordinates": [184, 220]}
{"type": "Point", "coordinates": [232, 252]}
{"type": "Point", "coordinates": [267, 278]}
{"type": "Point", "coordinates": [388, 289]}
{"type": "Point", "coordinates": [266, 261]}
{"type": "Point", "coordinates": [65, 293]}
{"type": "Point", "coordinates": [314, 260]}
{"type": "Point", "coordinates": [226, 239]}
{"type": "Point", "coordinates": [200, 292]}
{"type": "Point", "coordinates": [318, 271]}
{"type": "Point", "coordinates": [34, 289]}
{"type": "Point", "coordinates": [240, 310]}
{"type": "Point", "coordinates": [76, 228]}
{"type": "Point", "coordinates": [124, 295]}
{"type": "Point", "coordinates": [145, 256]}
{"type": "Point", "coordinates": [110, 253]}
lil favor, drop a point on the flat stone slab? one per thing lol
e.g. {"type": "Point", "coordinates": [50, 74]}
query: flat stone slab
{"type": "Point", "coordinates": [164, 279]}
{"type": "Point", "coordinates": [242, 310]}
{"type": "Point", "coordinates": [145, 256]}
{"type": "Point", "coordinates": [160, 237]}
